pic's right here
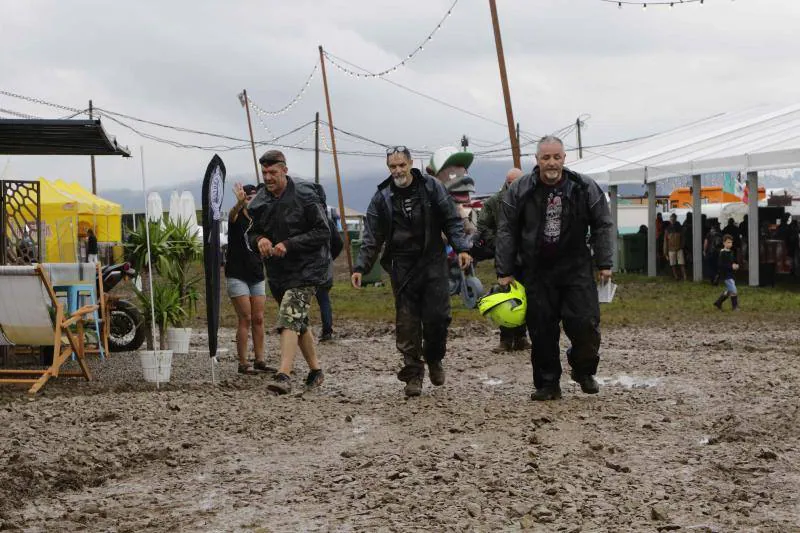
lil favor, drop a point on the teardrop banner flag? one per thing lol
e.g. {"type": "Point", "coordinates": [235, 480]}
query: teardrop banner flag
{"type": "Point", "coordinates": [213, 192]}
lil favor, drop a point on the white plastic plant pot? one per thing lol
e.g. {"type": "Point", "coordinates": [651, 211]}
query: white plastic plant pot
{"type": "Point", "coordinates": [156, 365]}
{"type": "Point", "coordinates": [178, 340]}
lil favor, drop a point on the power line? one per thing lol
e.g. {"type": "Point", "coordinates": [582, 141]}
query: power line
{"type": "Point", "coordinates": [109, 113]}
{"type": "Point", "coordinates": [407, 59]}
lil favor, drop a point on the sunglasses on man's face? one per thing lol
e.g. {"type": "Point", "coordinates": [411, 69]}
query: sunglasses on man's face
{"type": "Point", "coordinates": [397, 149]}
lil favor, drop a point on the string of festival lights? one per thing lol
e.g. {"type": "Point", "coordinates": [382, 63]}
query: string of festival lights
{"type": "Point", "coordinates": [403, 62]}
{"type": "Point", "coordinates": [263, 112]}
{"type": "Point", "coordinates": [666, 3]}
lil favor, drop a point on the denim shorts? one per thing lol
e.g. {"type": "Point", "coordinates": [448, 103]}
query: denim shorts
{"type": "Point", "coordinates": [238, 287]}
{"type": "Point", "coordinates": [730, 286]}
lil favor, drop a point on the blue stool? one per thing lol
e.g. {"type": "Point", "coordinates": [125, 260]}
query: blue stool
{"type": "Point", "coordinates": [74, 292]}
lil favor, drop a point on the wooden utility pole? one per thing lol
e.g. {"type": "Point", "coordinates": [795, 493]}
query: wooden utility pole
{"type": "Point", "coordinates": [316, 149]}
{"type": "Point", "coordinates": [246, 103]}
{"type": "Point", "coordinates": [504, 81]}
{"type": "Point", "coordinates": [91, 158]}
{"type": "Point", "coordinates": [342, 214]}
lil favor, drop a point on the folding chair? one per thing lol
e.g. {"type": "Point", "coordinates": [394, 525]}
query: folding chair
{"type": "Point", "coordinates": [77, 280]}
{"type": "Point", "coordinates": [31, 314]}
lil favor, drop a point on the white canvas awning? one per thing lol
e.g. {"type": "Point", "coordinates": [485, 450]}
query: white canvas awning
{"type": "Point", "coordinates": [757, 139]}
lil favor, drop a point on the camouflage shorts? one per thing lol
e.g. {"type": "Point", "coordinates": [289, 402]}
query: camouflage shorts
{"type": "Point", "coordinates": [293, 311]}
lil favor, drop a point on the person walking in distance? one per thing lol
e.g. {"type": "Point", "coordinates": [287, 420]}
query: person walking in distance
{"type": "Point", "coordinates": [290, 231]}
{"type": "Point", "coordinates": [727, 265]}
{"type": "Point", "coordinates": [407, 217]}
{"type": "Point", "coordinates": [545, 217]}
{"type": "Point", "coordinates": [510, 338]}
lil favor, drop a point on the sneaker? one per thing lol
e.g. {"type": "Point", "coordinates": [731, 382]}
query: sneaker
{"type": "Point", "coordinates": [588, 384]}
{"type": "Point", "coordinates": [326, 337]}
{"type": "Point", "coordinates": [436, 373]}
{"type": "Point", "coordinates": [314, 379]}
{"type": "Point", "coordinates": [548, 392]}
{"type": "Point", "coordinates": [414, 387]}
{"type": "Point", "coordinates": [280, 384]}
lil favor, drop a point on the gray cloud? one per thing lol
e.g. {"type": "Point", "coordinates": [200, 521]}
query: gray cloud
{"type": "Point", "coordinates": [183, 63]}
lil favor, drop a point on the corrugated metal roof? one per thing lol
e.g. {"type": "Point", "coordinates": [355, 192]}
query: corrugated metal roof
{"type": "Point", "coordinates": [57, 137]}
{"type": "Point", "coordinates": [763, 138]}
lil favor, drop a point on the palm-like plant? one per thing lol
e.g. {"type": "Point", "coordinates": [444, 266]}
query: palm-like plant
{"type": "Point", "coordinates": [183, 248]}
{"type": "Point", "coordinates": [168, 309]}
{"type": "Point", "coordinates": [136, 247]}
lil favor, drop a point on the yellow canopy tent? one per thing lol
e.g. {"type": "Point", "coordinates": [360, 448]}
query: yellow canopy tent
{"type": "Point", "coordinates": [105, 216]}
{"type": "Point", "coordinates": [68, 211]}
{"type": "Point", "coordinates": [59, 212]}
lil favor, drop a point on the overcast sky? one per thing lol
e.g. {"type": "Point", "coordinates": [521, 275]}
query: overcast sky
{"type": "Point", "coordinates": [633, 71]}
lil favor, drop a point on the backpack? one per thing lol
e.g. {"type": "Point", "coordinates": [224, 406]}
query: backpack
{"type": "Point", "coordinates": [336, 244]}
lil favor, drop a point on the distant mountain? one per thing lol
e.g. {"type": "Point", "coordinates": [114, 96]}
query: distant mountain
{"type": "Point", "coordinates": [358, 189]}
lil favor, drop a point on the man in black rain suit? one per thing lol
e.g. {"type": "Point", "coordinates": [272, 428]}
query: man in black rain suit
{"type": "Point", "coordinates": [408, 214]}
{"type": "Point", "coordinates": [545, 217]}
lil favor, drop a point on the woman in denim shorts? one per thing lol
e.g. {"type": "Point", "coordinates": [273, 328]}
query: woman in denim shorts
{"type": "Point", "coordinates": [245, 278]}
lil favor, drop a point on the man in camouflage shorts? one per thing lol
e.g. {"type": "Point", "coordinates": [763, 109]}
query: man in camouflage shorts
{"type": "Point", "coordinates": [290, 230]}
{"type": "Point", "coordinates": [293, 310]}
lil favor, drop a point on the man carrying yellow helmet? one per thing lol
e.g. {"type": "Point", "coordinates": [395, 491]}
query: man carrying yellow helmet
{"type": "Point", "coordinates": [545, 217]}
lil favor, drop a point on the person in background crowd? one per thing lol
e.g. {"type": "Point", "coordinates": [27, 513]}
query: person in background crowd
{"type": "Point", "coordinates": [688, 238]}
{"type": "Point", "coordinates": [711, 247]}
{"type": "Point", "coordinates": [510, 338]}
{"type": "Point", "coordinates": [673, 248]}
{"type": "Point", "coordinates": [733, 230]}
{"type": "Point", "coordinates": [91, 246]}
{"type": "Point", "coordinates": [244, 273]}
{"type": "Point", "coordinates": [323, 291]}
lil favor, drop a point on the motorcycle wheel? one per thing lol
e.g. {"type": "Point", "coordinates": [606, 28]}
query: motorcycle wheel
{"type": "Point", "coordinates": [126, 329]}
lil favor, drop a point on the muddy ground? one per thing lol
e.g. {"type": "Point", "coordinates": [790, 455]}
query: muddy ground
{"type": "Point", "coordinates": [690, 432]}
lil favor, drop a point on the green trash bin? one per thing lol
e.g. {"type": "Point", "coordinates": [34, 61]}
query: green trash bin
{"type": "Point", "coordinates": [633, 252]}
{"type": "Point", "coordinates": [374, 275]}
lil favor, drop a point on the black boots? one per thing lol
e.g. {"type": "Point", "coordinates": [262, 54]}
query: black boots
{"type": "Point", "coordinates": [723, 297]}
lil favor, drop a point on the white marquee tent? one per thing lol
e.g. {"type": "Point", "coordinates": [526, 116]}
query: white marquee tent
{"type": "Point", "coordinates": [749, 141]}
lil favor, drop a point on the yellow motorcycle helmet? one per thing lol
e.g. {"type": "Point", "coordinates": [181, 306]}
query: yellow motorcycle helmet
{"type": "Point", "coordinates": [505, 306]}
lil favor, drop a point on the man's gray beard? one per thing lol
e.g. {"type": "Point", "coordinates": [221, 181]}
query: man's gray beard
{"type": "Point", "coordinates": [405, 182]}
{"type": "Point", "coordinates": [554, 178]}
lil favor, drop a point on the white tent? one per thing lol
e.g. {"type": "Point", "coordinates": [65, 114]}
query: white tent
{"type": "Point", "coordinates": [763, 138]}
{"type": "Point", "coordinates": [749, 141]}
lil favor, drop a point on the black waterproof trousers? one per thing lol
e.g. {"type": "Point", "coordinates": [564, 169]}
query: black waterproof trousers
{"type": "Point", "coordinates": [422, 312]}
{"type": "Point", "coordinates": [566, 296]}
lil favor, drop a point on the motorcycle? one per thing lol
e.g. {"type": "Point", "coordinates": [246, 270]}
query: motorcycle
{"type": "Point", "coordinates": [126, 324]}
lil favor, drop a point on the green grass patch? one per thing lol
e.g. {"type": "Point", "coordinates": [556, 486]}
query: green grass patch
{"type": "Point", "coordinates": [639, 301]}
